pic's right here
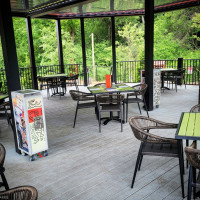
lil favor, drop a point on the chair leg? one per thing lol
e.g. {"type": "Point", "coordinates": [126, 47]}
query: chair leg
{"type": "Point", "coordinates": [76, 86]}
{"type": "Point", "coordinates": [75, 114]}
{"type": "Point", "coordinates": [127, 110]}
{"type": "Point", "coordinates": [137, 164]}
{"type": "Point", "coordinates": [5, 183]}
{"type": "Point", "coordinates": [140, 162]}
{"type": "Point", "coordinates": [189, 184]}
{"type": "Point", "coordinates": [145, 105]}
{"type": "Point", "coordinates": [124, 112]}
{"type": "Point", "coordinates": [181, 166]}
{"type": "Point", "coordinates": [187, 144]}
{"type": "Point", "coordinates": [139, 108]}
{"type": "Point", "coordinates": [121, 118]}
{"type": "Point", "coordinates": [99, 121]}
{"type": "Point", "coordinates": [194, 180]}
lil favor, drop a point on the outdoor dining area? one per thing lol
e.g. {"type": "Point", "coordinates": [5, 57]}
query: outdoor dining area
{"type": "Point", "coordinates": [133, 135]}
{"type": "Point", "coordinates": [85, 164]}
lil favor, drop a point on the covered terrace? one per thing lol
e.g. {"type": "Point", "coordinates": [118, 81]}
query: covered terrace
{"type": "Point", "coordinates": [80, 164]}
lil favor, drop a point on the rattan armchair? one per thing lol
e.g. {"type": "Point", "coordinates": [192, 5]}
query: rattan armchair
{"type": "Point", "coordinates": [156, 145]}
{"type": "Point", "coordinates": [137, 97]}
{"type": "Point", "coordinates": [110, 103]}
{"type": "Point", "coordinates": [174, 77]}
{"type": "Point", "coordinates": [2, 169]}
{"type": "Point", "coordinates": [56, 86]}
{"type": "Point", "coordinates": [20, 193]}
{"type": "Point", "coordinates": [72, 80]}
{"type": "Point", "coordinates": [195, 109]}
{"type": "Point", "coordinates": [83, 99]}
{"type": "Point", "coordinates": [193, 157]}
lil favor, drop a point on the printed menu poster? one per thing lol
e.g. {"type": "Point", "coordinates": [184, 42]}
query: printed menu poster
{"type": "Point", "coordinates": [18, 109]}
{"type": "Point", "coordinates": [36, 123]}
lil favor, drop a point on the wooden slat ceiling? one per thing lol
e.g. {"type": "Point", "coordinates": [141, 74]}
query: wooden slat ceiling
{"type": "Point", "coordinates": [65, 9]}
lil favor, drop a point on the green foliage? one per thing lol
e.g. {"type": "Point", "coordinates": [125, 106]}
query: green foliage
{"type": "Point", "coordinates": [134, 37]}
{"type": "Point", "coordinates": [196, 26]}
{"type": "Point", "coordinates": [21, 41]}
{"type": "Point", "coordinates": [176, 34]}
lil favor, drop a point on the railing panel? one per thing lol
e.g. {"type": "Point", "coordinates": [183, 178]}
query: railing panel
{"type": "Point", "coordinates": [127, 72]}
{"type": "Point", "coordinates": [192, 67]}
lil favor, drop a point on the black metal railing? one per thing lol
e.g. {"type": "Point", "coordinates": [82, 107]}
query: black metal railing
{"type": "Point", "coordinates": [127, 71]}
{"type": "Point", "coordinates": [192, 67]}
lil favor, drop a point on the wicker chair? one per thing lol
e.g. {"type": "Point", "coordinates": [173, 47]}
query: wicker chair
{"type": "Point", "coordinates": [195, 109]}
{"type": "Point", "coordinates": [56, 86]}
{"type": "Point", "coordinates": [193, 157]}
{"type": "Point", "coordinates": [174, 77]}
{"type": "Point", "coordinates": [140, 90]}
{"type": "Point", "coordinates": [72, 80]}
{"type": "Point", "coordinates": [2, 169]}
{"type": "Point", "coordinates": [152, 144]}
{"type": "Point", "coordinates": [84, 100]}
{"type": "Point", "coordinates": [20, 193]}
{"type": "Point", "coordinates": [110, 103]}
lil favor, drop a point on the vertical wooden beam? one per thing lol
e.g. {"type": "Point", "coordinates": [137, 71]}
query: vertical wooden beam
{"type": "Point", "coordinates": [83, 51]}
{"type": "Point", "coordinates": [9, 54]}
{"type": "Point", "coordinates": [60, 48]}
{"type": "Point", "coordinates": [114, 73]}
{"type": "Point", "coordinates": [31, 53]}
{"type": "Point", "coordinates": [149, 40]}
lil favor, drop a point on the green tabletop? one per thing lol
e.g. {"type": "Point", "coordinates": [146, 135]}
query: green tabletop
{"type": "Point", "coordinates": [117, 88]}
{"type": "Point", "coordinates": [3, 96]}
{"type": "Point", "coordinates": [189, 126]}
{"type": "Point", "coordinates": [55, 75]}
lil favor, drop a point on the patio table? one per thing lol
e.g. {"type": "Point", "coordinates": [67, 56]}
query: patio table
{"type": "Point", "coordinates": [101, 89]}
{"type": "Point", "coordinates": [189, 126]}
{"type": "Point", "coordinates": [3, 97]}
{"type": "Point", "coordinates": [55, 77]}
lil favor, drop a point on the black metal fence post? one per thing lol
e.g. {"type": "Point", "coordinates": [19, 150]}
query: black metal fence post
{"type": "Point", "coordinates": [180, 66]}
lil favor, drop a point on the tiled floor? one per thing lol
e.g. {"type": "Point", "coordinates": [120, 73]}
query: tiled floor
{"type": "Point", "coordinates": [85, 164]}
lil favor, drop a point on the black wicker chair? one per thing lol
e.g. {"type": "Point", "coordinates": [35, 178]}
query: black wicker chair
{"type": "Point", "coordinates": [174, 77]}
{"type": "Point", "coordinates": [194, 109]}
{"type": "Point", "coordinates": [72, 80]}
{"type": "Point", "coordinates": [136, 97]}
{"type": "Point", "coordinates": [110, 103]}
{"type": "Point", "coordinates": [56, 86]}
{"type": "Point", "coordinates": [84, 100]}
{"type": "Point", "coordinates": [193, 157]}
{"type": "Point", "coordinates": [2, 169]}
{"type": "Point", "coordinates": [152, 144]}
{"type": "Point", "coordinates": [20, 193]}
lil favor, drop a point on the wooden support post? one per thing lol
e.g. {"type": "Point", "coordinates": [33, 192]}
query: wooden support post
{"type": "Point", "coordinates": [9, 54]}
{"type": "Point", "coordinates": [83, 51]}
{"type": "Point", "coordinates": [149, 35]}
{"type": "Point", "coordinates": [31, 53]}
{"type": "Point", "coordinates": [60, 48]}
{"type": "Point", "coordinates": [114, 72]}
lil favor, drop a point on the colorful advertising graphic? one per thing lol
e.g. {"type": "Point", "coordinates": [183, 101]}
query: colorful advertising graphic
{"type": "Point", "coordinates": [36, 123]}
{"type": "Point", "coordinates": [20, 122]}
